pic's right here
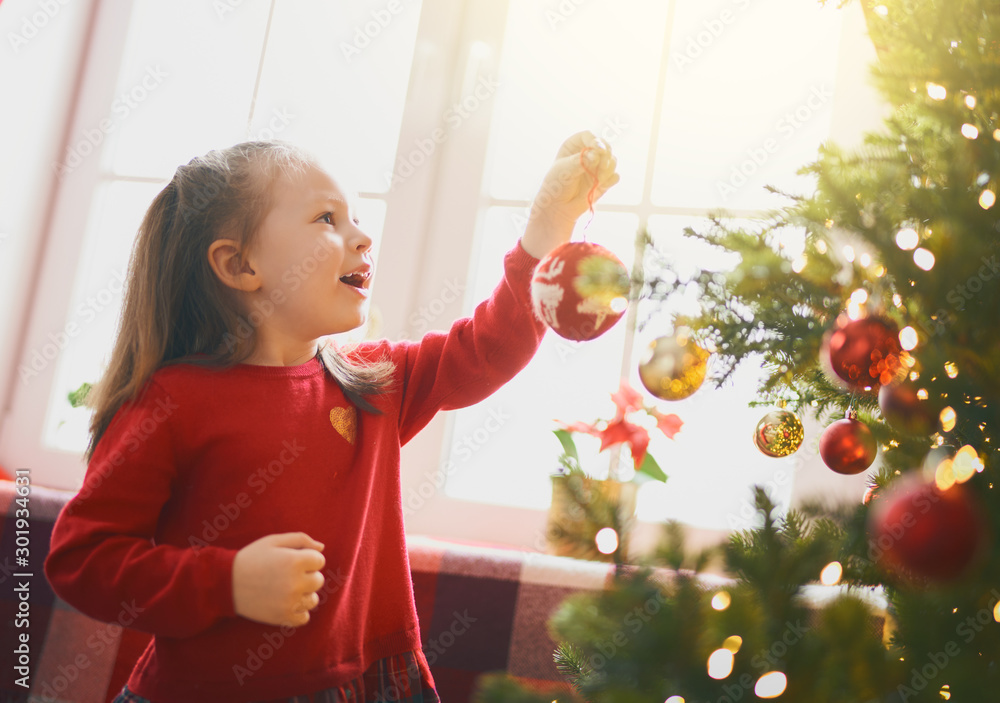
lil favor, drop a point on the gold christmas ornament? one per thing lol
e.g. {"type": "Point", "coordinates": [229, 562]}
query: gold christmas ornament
{"type": "Point", "coordinates": [672, 368]}
{"type": "Point", "coordinates": [778, 434]}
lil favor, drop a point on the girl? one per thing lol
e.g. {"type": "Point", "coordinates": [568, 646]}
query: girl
{"type": "Point", "coordinates": [242, 492]}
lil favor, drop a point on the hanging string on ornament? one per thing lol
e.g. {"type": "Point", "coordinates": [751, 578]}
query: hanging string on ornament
{"type": "Point", "coordinates": [593, 187]}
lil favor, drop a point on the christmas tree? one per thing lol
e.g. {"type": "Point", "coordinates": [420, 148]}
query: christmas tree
{"type": "Point", "coordinates": [883, 327]}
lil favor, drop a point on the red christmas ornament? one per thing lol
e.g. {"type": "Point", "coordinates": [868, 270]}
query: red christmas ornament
{"type": "Point", "coordinates": [904, 409]}
{"type": "Point", "coordinates": [848, 446]}
{"type": "Point", "coordinates": [921, 531]}
{"type": "Point", "coordinates": [580, 290]}
{"type": "Point", "coordinates": [864, 353]}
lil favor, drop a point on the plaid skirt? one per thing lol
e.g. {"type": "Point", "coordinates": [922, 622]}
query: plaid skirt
{"type": "Point", "coordinates": [396, 679]}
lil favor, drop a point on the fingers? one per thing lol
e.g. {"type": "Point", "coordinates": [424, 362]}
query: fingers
{"type": "Point", "coordinates": [606, 165]}
{"type": "Point", "coordinates": [605, 186]}
{"type": "Point", "coordinates": [293, 540]}
{"type": "Point", "coordinates": [294, 619]}
{"type": "Point", "coordinates": [598, 158]}
{"type": "Point", "coordinates": [308, 560]}
{"type": "Point", "coordinates": [307, 603]}
{"type": "Point", "coordinates": [576, 143]}
{"type": "Point", "coordinates": [312, 582]}
{"type": "Point", "coordinates": [597, 161]}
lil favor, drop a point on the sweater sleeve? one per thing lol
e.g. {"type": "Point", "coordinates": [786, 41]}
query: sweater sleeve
{"type": "Point", "coordinates": [469, 362]}
{"type": "Point", "coordinates": [104, 559]}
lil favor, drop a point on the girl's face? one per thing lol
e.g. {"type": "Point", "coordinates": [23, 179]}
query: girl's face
{"type": "Point", "coordinates": [312, 259]}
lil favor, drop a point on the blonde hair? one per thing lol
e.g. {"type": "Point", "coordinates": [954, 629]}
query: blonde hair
{"type": "Point", "coordinates": [174, 304]}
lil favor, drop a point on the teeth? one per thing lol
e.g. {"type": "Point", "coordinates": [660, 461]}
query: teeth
{"type": "Point", "coordinates": [356, 279]}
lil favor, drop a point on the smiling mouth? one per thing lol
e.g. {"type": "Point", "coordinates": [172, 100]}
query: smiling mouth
{"type": "Point", "coordinates": [357, 279]}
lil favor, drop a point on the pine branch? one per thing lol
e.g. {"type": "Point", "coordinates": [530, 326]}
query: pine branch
{"type": "Point", "coordinates": [572, 664]}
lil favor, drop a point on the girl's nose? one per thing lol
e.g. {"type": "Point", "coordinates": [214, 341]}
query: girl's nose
{"type": "Point", "coordinates": [361, 241]}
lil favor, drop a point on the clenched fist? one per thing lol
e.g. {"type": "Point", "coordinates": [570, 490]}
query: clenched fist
{"type": "Point", "coordinates": [275, 579]}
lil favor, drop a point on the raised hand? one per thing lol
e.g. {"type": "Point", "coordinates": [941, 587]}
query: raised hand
{"type": "Point", "coordinates": [563, 195]}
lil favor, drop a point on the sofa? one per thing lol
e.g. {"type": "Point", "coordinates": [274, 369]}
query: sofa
{"type": "Point", "coordinates": [480, 609]}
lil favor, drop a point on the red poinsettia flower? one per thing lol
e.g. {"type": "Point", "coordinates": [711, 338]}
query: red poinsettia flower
{"type": "Point", "coordinates": [619, 431]}
{"type": "Point", "coordinates": [669, 424]}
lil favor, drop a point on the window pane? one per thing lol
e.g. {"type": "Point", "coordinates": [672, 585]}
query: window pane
{"type": "Point", "coordinates": [199, 70]}
{"type": "Point", "coordinates": [507, 460]}
{"type": "Point", "coordinates": [317, 88]}
{"type": "Point", "coordinates": [335, 80]}
{"type": "Point", "coordinates": [748, 98]}
{"type": "Point", "coordinates": [593, 66]}
{"type": "Point", "coordinates": [92, 320]}
{"type": "Point", "coordinates": [712, 462]}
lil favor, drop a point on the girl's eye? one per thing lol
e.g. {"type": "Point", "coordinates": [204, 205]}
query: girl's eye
{"type": "Point", "coordinates": [327, 217]}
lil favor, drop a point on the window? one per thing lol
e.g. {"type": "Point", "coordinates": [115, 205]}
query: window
{"type": "Point", "coordinates": [444, 114]}
{"type": "Point", "coordinates": [704, 103]}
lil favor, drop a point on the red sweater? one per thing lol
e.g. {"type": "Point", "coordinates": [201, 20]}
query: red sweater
{"type": "Point", "coordinates": [207, 461]}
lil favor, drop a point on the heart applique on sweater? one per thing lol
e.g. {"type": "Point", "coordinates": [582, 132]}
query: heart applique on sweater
{"type": "Point", "coordinates": [345, 421]}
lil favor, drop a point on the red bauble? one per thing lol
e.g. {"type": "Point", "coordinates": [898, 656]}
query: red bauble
{"type": "Point", "coordinates": [921, 531]}
{"type": "Point", "coordinates": [905, 410]}
{"type": "Point", "coordinates": [864, 353]}
{"type": "Point", "coordinates": [848, 446]}
{"type": "Point", "coordinates": [580, 290]}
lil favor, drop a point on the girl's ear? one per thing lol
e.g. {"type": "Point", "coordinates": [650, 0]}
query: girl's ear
{"type": "Point", "coordinates": [226, 259]}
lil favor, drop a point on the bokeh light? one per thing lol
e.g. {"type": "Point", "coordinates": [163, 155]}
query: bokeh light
{"type": "Point", "coordinates": [721, 600]}
{"type": "Point", "coordinates": [771, 685]}
{"type": "Point", "coordinates": [966, 464]}
{"type": "Point", "coordinates": [607, 540]}
{"type": "Point", "coordinates": [936, 92]}
{"type": "Point", "coordinates": [720, 664]}
{"type": "Point", "coordinates": [924, 259]}
{"type": "Point", "coordinates": [830, 576]}
{"type": "Point", "coordinates": [948, 418]}
{"type": "Point", "coordinates": [907, 238]}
